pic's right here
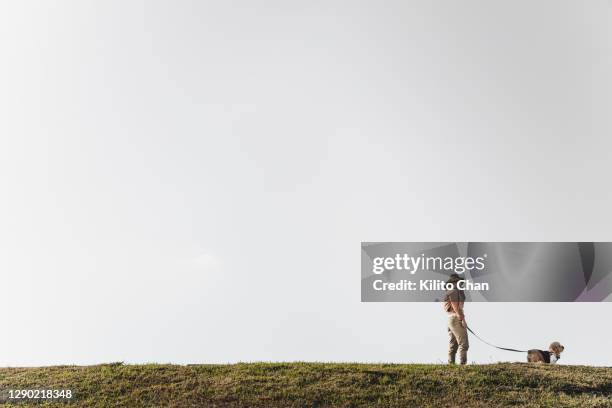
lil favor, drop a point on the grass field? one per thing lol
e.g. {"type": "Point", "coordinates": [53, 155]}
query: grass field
{"type": "Point", "coordinates": [316, 385]}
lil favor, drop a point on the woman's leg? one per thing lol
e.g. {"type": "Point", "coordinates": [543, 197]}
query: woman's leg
{"type": "Point", "coordinates": [461, 337]}
{"type": "Point", "coordinates": [453, 345]}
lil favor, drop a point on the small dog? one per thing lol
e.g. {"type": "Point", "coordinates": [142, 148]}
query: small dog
{"type": "Point", "coordinates": [548, 357]}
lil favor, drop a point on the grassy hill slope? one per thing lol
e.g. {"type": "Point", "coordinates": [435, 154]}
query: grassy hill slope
{"type": "Point", "coordinates": [317, 385]}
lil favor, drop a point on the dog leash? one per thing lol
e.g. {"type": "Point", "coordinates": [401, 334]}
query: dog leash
{"type": "Point", "coordinates": [493, 345]}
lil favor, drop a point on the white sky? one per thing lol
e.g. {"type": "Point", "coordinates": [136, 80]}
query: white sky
{"type": "Point", "coordinates": [190, 181]}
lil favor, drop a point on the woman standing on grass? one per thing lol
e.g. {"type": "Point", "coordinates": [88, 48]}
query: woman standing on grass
{"type": "Point", "coordinates": [457, 327]}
